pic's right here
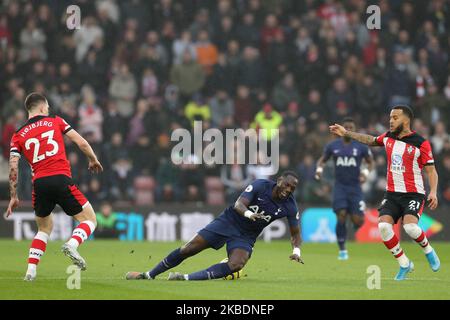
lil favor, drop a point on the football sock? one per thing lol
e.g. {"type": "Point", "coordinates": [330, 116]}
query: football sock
{"type": "Point", "coordinates": [391, 242]}
{"type": "Point", "coordinates": [216, 271]}
{"type": "Point", "coordinates": [417, 234]}
{"type": "Point", "coordinates": [341, 234]}
{"type": "Point", "coordinates": [81, 233]}
{"type": "Point", "coordinates": [172, 260]}
{"type": "Point", "coordinates": [37, 250]}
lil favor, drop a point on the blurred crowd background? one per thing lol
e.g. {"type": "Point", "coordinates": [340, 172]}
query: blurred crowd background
{"type": "Point", "coordinates": [137, 70]}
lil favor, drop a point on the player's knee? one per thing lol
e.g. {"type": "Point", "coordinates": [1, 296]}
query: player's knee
{"type": "Point", "coordinates": [236, 264]}
{"type": "Point", "coordinates": [186, 250]}
{"type": "Point", "coordinates": [358, 222]}
{"type": "Point", "coordinates": [413, 230]}
{"type": "Point", "coordinates": [189, 249]}
{"type": "Point", "coordinates": [341, 215]}
{"type": "Point", "coordinates": [386, 230]}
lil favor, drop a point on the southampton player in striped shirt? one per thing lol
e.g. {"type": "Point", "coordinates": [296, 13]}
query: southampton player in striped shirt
{"type": "Point", "coordinates": [407, 154]}
{"type": "Point", "coordinates": [41, 141]}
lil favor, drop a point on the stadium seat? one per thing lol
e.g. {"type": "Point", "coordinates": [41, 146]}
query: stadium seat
{"type": "Point", "coordinates": [144, 190]}
{"type": "Point", "coordinates": [214, 191]}
{"type": "Point", "coordinates": [145, 182]}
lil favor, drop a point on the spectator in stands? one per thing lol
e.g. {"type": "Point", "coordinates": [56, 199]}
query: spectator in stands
{"type": "Point", "coordinates": [167, 177]}
{"type": "Point", "coordinates": [90, 114]}
{"type": "Point", "coordinates": [440, 137]}
{"type": "Point", "coordinates": [106, 222]}
{"type": "Point", "coordinates": [85, 36]}
{"type": "Point", "coordinates": [284, 93]}
{"type": "Point", "coordinates": [268, 120]}
{"type": "Point", "coordinates": [339, 100]}
{"type": "Point", "coordinates": [32, 38]}
{"type": "Point", "coordinates": [188, 76]}
{"type": "Point", "coordinates": [14, 103]}
{"type": "Point", "coordinates": [244, 108]}
{"type": "Point", "coordinates": [123, 89]}
{"type": "Point", "coordinates": [191, 179]}
{"type": "Point", "coordinates": [197, 110]}
{"type": "Point", "coordinates": [182, 44]}
{"type": "Point", "coordinates": [207, 53]}
{"type": "Point", "coordinates": [235, 178]}
{"type": "Point", "coordinates": [221, 107]}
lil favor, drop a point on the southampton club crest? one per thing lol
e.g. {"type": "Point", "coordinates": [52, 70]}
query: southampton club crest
{"type": "Point", "coordinates": [410, 149]}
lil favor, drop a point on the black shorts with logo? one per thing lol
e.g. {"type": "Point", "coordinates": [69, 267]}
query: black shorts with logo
{"type": "Point", "coordinates": [399, 204]}
{"type": "Point", "coordinates": [58, 189]}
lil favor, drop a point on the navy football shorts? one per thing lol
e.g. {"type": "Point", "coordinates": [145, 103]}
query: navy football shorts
{"type": "Point", "coordinates": [218, 233]}
{"type": "Point", "coordinates": [349, 199]}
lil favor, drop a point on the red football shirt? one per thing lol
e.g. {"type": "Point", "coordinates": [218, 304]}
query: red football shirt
{"type": "Point", "coordinates": [405, 159]}
{"type": "Point", "coordinates": [41, 141]}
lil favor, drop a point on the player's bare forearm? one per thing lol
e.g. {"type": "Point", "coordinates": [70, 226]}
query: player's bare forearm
{"type": "Point", "coordinates": [321, 162]}
{"type": "Point", "coordinates": [84, 146]}
{"type": "Point", "coordinates": [433, 181]}
{"type": "Point", "coordinates": [296, 238]}
{"type": "Point", "coordinates": [88, 151]}
{"type": "Point", "coordinates": [361, 137]}
{"type": "Point", "coordinates": [370, 163]}
{"type": "Point", "coordinates": [340, 131]}
{"type": "Point", "coordinates": [241, 205]}
{"type": "Point", "coordinates": [13, 176]}
{"type": "Point", "coordinates": [432, 178]}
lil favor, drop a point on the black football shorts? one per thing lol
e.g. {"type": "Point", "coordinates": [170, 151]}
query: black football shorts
{"type": "Point", "coordinates": [398, 204]}
{"type": "Point", "coordinates": [58, 189]}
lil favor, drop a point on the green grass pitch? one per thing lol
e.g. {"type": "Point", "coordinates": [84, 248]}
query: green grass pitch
{"type": "Point", "coordinates": [270, 274]}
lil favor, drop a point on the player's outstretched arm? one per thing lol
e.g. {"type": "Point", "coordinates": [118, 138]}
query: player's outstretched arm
{"type": "Point", "coordinates": [433, 181]}
{"type": "Point", "coordinates": [241, 207]}
{"type": "Point", "coordinates": [94, 164]}
{"type": "Point", "coordinates": [370, 166]}
{"type": "Point", "coordinates": [339, 130]}
{"type": "Point", "coordinates": [13, 179]}
{"type": "Point", "coordinates": [296, 240]}
{"type": "Point", "coordinates": [319, 168]}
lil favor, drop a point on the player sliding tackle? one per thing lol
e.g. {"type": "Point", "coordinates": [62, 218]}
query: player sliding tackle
{"type": "Point", "coordinates": [348, 198]}
{"type": "Point", "coordinates": [261, 203]}
{"type": "Point", "coordinates": [41, 141]}
{"type": "Point", "coordinates": [407, 154]}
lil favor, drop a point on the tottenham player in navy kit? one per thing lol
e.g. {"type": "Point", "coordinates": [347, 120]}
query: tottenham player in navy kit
{"type": "Point", "coordinates": [347, 196]}
{"type": "Point", "coordinates": [261, 203]}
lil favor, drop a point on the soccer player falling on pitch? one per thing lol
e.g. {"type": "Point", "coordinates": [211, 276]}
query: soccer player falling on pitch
{"type": "Point", "coordinates": [261, 203]}
{"type": "Point", "coordinates": [41, 141]}
{"type": "Point", "coordinates": [348, 198]}
{"type": "Point", "coordinates": [407, 154]}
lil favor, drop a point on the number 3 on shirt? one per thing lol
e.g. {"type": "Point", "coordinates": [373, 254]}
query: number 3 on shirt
{"type": "Point", "coordinates": [35, 142]}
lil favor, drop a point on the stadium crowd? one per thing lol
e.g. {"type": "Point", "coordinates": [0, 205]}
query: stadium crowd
{"type": "Point", "coordinates": [137, 70]}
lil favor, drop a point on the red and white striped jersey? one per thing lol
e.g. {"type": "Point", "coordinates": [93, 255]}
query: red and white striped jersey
{"type": "Point", "coordinates": [41, 141]}
{"type": "Point", "coordinates": [405, 159]}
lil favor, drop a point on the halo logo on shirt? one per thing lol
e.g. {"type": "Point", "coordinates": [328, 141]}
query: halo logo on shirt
{"type": "Point", "coordinates": [397, 163]}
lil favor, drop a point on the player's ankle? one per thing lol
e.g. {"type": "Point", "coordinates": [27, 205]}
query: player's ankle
{"type": "Point", "coordinates": [32, 267]}
{"type": "Point", "coordinates": [73, 243]}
